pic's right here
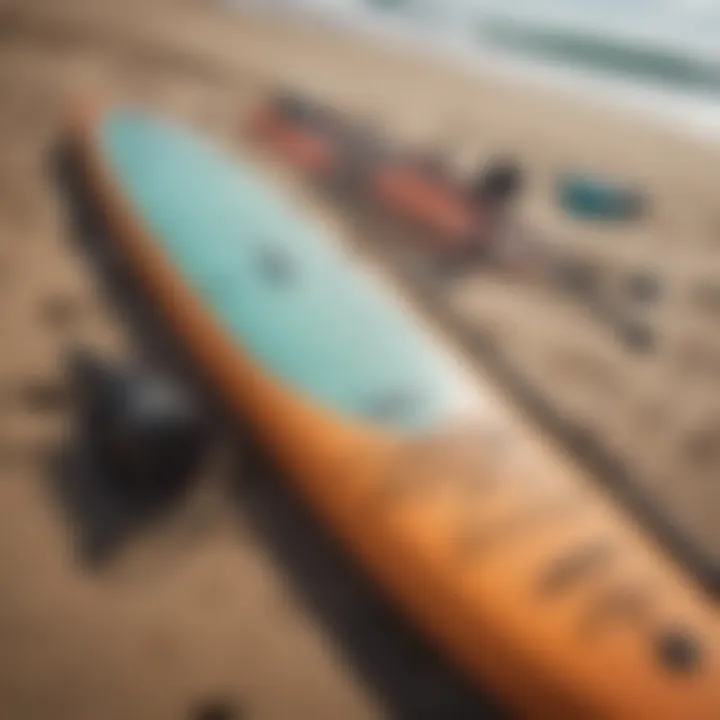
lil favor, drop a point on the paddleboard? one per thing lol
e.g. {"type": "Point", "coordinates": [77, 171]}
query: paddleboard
{"type": "Point", "coordinates": [526, 575]}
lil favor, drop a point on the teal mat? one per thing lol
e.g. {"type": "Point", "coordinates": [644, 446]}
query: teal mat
{"type": "Point", "coordinates": [282, 291]}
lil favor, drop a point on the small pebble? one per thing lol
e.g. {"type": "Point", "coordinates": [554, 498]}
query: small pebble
{"type": "Point", "coordinates": [43, 396]}
{"type": "Point", "coordinates": [215, 711]}
{"type": "Point", "coordinates": [60, 312]}
{"type": "Point", "coordinates": [678, 651]}
{"type": "Point", "coordinates": [638, 337]}
{"type": "Point", "coordinates": [643, 287]}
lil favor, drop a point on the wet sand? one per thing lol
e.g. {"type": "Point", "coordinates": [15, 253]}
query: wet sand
{"type": "Point", "coordinates": [196, 609]}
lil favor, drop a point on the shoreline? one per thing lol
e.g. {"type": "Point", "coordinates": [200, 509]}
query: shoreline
{"type": "Point", "coordinates": [675, 111]}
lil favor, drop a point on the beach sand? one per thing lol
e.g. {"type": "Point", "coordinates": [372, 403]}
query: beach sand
{"type": "Point", "coordinates": [195, 610]}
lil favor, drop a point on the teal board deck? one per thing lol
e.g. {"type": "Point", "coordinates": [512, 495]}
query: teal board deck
{"type": "Point", "coordinates": [283, 292]}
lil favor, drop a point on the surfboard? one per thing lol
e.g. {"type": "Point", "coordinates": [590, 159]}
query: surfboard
{"type": "Point", "coordinates": [528, 577]}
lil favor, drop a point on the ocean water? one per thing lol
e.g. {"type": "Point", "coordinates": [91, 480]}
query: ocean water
{"type": "Point", "coordinates": [659, 57]}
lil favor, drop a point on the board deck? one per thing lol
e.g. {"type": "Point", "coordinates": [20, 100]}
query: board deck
{"type": "Point", "coordinates": [278, 287]}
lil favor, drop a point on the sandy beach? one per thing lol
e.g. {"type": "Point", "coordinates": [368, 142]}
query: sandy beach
{"type": "Point", "coordinates": [196, 611]}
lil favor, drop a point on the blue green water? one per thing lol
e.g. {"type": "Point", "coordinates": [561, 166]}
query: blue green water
{"type": "Point", "coordinates": [664, 43]}
{"type": "Point", "coordinates": [282, 291]}
{"type": "Point", "coordinates": [663, 66]}
{"type": "Point", "coordinates": [658, 57]}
